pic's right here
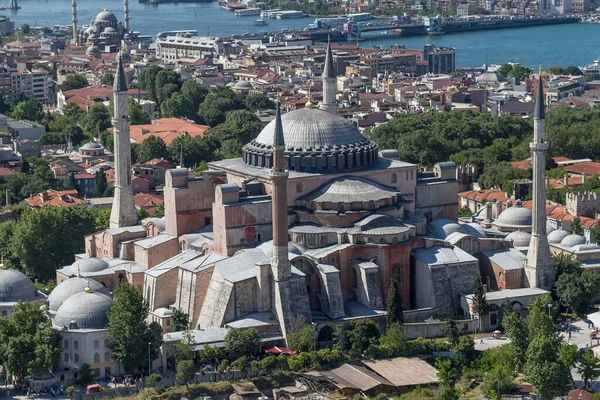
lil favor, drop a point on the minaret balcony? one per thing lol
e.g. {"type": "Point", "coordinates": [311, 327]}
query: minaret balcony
{"type": "Point", "coordinates": [534, 146]}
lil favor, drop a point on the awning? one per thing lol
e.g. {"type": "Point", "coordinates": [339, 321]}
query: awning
{"type": "Point", "coordinates": [595, 318]}
{"type": "Point", "coordinates": [275, 350]}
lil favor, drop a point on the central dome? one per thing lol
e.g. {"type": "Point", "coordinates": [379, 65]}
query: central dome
{"type": "Point", "coordinates": [315, 141]}
{"type": "Point", "coordinates": [15, 286]}
{"type": "Point", "coordinates": [105, 16]}
{"type": "Point", "coordinates": [84, 310]}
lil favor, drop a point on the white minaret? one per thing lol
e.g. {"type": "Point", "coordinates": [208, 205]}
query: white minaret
{"type": "Point", "coordinates": [329, 77]}
{"type": "Point", "coordinates": [126, 14]}
{"type": "Point", "coordinates": [539, 268]}
{"type": "Point", "coordinates": [74, 12]}
{"type": "Point", "coordinates": [123, 209]}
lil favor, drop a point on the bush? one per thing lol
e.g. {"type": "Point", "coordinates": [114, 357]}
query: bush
{"type": "Point", "coordinates": [70, 391]}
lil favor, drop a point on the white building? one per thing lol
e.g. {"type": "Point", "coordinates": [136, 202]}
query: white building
{"type": "Point", "coordinates": [36, 84]}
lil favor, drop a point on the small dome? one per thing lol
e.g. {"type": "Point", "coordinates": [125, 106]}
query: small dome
{"type": "Point", "coordinates": [572, 240]}
{"type": "Point", "coordinates": [267, 248]}
{"type": "Point", "coordinates": [91, 145]}
{"type": "Point", "coordinates": [549, 229]}
{"type": "Point", "coordinates": [110, 30]}
{"type": "Point", "coordinates": [473, 228]}
{"type": "Point", "coordinates": [230, 84]}
{"type": "Point", "coordinates": [93, 51]}
{"type": "Point", "coordinates": [489, 77]}
{"type": "Point", "coordinates": [519, 238]}
{"type": "Point", "coordinates": [557, 236]}
{"type": "Point", "coordinates": [242, 85]}
{"type": "Point", "coordinates": [105, 16]}
{"type": "Point", "coordinates": [515, 216]}
{"type": "Point", "coordinates": [15, 286]}
{"type": "Point", "coordinates": [586, 247]}
{"type": "Point", "coordinates": [91, 264]}
{"type": "Point", "coordinates": [92, 36]}
{"type": "Point", "coordinates": [87, 310]}
{"type": "Point", "coordinates": [444, 226]}
{"type": "Point", "coordinates": [72, 287]}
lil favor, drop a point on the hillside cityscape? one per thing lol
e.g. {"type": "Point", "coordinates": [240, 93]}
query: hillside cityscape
{"type": "Point", "coordinates": [300, 205]}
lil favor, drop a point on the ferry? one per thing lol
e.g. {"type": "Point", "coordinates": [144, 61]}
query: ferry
{"type": "Point", "coordinates": [261, 22]}
{"type": "Point", "coordinates": [359, 17]}
{"type": "Point", "coordinates": [268, 13]}
{"type": "Point", "coordinates": [247, 12]}
{"type": "Point", "coordinates": [291, 14]}
{"type": "Point", "coordinates": [591, 68]}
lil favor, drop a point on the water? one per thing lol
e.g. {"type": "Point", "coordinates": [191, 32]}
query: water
{"type": "Point", "coordinates": [570, 44]}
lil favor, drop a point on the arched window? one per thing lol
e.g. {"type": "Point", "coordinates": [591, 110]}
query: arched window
{"type": "Point", "coordinates": [370, 240]}
{"type": "Point", "coordinates": [394, 239]}
{"type": "Point", "coordinates": [75, 344]}
{"type": "Point", "coordinates": [66, 357]}
{"type": "Point", "coordinates": [96, 344]}
{"type": "Point", "coordinates": [394, 178]}
{"type": "Point", "coordinates": [299, 188]}
{"type": "Point", "coordinates": [382, 240]}
{"type": "Point", "coordinates": [76, 358]}
{"type": "Point", "coordinates": [66, 344]}
{"type": "Point", "coordinates": [107, 357]}
{"type": "Point", "coordinates": [106, 343]}
{"type": "Point", "coordinates": [96, 358]}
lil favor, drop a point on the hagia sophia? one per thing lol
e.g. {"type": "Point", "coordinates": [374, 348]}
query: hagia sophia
{"type": "Point", "coordinates": [310, 225]}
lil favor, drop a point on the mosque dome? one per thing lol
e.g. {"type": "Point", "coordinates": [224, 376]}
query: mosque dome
{"type": "Point", "coordinates": [15, 286]}
{"type": "Point", "coordinates": [572, 240]}
{"type": "Point", "coordinates": [586, 247]}
{"type": "Point", "coordinates": [242, 85]}
{"type": "Point", "coordinates": [549, 229]}
{"type": "Point", "coordinates": [444, 226]}
{"type": "Point", "coordinates": [267, 248]}
{"type": "Point", "coordinates": [519, 238]}
{"type": "Point", "coordinates": [110, 30]}
{"type": "Point", "coordinates": [84, 310]}
{"type": "Point", "coordinates": [105, 16]}
{"type": "Point", "coordinates": [315, 141]}
{"type": "Point", "coordinates": [230, 84]}
{"type": "Point", "coordinates": [91, 145]}
{"type": "Point", "coordinates": [71, 287]}
{"type": "Point", "coordinates": [515, 216]}
{"type": "Point", "coordinates": [92, 51]}
{"type": "Point", "coordinates": [557, 236]}
{"type": "Point", "coordinates": [490, 78]}
{"type": "Point", "coordinates": [91, 264]}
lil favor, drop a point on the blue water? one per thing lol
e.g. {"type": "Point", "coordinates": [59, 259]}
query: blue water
{"type": "Point", "coordinates": [571, 44]}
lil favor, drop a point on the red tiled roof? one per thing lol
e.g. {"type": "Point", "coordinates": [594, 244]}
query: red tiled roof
{"type": "Point", "coordinates": [489, 194]}
{"type": "Point", "coordinates": [56, 198]}
{"type": "Point", "coordinates": [589, 168]}
{"type": "Point", "coordinates": [148, 201]}
{"type": "Point", "coordinates": [6, 171]}
{"type": "Point", "coordinates": [167, 129]}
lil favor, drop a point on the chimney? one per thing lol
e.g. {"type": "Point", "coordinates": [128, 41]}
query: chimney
{"type": "Point", "coordinates": [566, 180]}
{"type": "Point", "coordinates": [488, 211]}
{"type": "Point", "coordinates": [7, 197]}
{"type": "Point", "coordinates": [44, 196]}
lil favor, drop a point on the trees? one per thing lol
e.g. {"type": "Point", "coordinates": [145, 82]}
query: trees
{"type": "Point", "coordinates": [242, 341]}
{"type": "Point", "coordinates": [565, 264]}
{"type": "Point", "coordinates": [502, 175]}
{"type": "Point", "coordinates": [357, 337]}
{"type": "Point", "coordinates": [186, 371]}
{"type": "Point", "coordinates": [107, 79]}
{"type": "Point", "coordinates": [450, 330]}
{"type": "Point", "coordinates": [575, 290]}
{"type": "Point", "coordinates": [497, 381]}
{"type": "Point", "coordinates": [74, 81]}
{"type": "Point", "coordinates": [152, 147]}
{"type": "Point", "coordinates": [96, 120]}
{"type": "Point", "coordinates": [28, 343]}
{"type": "Point", "coordinates": [100, 183]}
{"type": "Point", "coordinates": [516, 330]}
{"type": "Point", "coordinates": [130, 336]}
{"type": "Point", "coordinates": [447, 373]}
{"type": "Point", "coordinates": [548, 374]}
{"type": "Point", "coordinates": [588, 367]}
{"type": "Point", "coordinates": [86, 374]}
{"type": "Point", "coordinates": [576, 228]}
{"type": "Point", "coordinates": [395, 313]}
{"type": "Point", "coordinates": [185, 347]}
{"type": "Point", "coordinates": [241, 364]}
{"type": "Point", "coordinates": [181, 320]}
{"type": "Point", "coordinates": [480, 306]}
{"type": "Point", "coordinates": [302, 336]}
{"type": "Point", "coordinates": [256, 102]}
{"type": "Point", "coordinates": [25, 29]}
{"type": "Point", "coordinates": [30, 109]}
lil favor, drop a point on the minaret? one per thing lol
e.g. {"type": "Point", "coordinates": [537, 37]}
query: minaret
{"type": "Point", "coordinates": [123, 209]}
{"type": "Point", "coordinates": [74, 12]}
{"type": "Point", "coordinates": [126, 14]}
{"type": "Point", "coordinates": [280, 264]}
{"type": "Point", "coordinates": [329, 86]}
{"type": "Point", "coordinates": [539, 268]}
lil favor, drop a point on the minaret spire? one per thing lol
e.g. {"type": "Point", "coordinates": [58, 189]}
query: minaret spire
{"type": "Point", "coordinates": [539, 268]}
{"type": "Point", "coordinates": [329, 85]}
{"type": "Point", "coordinates": [123, 211]}
{"type": "Point", "coordinates": [126, 14]}
{"type": "Point", "coordinates": [74, 12]}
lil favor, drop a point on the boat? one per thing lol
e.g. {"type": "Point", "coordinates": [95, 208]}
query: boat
{"type": "Point", "coordinates": [291, 14]}
{"type": "Point", "coordinates": [247, 12]}
{"type": "Point", "coordinates": [591, 68]}
{"type": "Point", "coordinates": [261, 22]}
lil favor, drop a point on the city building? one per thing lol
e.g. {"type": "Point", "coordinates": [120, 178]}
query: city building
{"type": "Point", "coordinates": [440, 60]}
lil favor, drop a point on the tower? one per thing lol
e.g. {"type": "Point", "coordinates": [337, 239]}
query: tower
{"type": "Point", "coordinates": [123, 209]}
{"type": "Point", "coordinates": [539, 268]}
{"type": "Point", "coordinates": [74, 12]}
{"type": "Point", "coordinates": [126, 14]}
{"type": "Point", "coordinates": [329, 86]}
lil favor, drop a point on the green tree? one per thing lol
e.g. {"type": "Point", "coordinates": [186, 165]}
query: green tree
{"type": "Point", "coordinates": [393, 343]}
{"type": "Point", "coordinates": [548, 374]}
{"type": "Point", "coordinates": [269, 363]}
{"type": "Point", "coordinates": [515, 328]}
{"type": "Point", "coordinates": [107, 79]}
{"type": "Point", "coordinates": [25, 29]}
{"type": "Point", "coordinates": [450, 331]}
{"type": "Point", "coordinates": [28, 343]}
{"type": "Point", "coordinates": [256, 102]}
{"type": "Point", "coordinates": [395, 312]}
{"type": "Point", "coordinates": [30, 109]}
{"type": "Point", "coordinates": [242, 341]}
{"type": "Point", "coordinates": [74, 81]}
{"type": "Point", "coordinates": [502, 175]}
{"type": "Point", "coordinates": [186, 371]}
{"type": "Point", "coordinates": [588, 367]}
{"type": "Point", "coordinates": [575, 290]}
{"type": "Point", "coordinates": [181, 320]}
{"type": "Point", "coordinates": [497, 381]}
{"type": "Point", "coordinates": [86, 374]}
{"type": "Point", "coordinates": [100, 183]}
{"type": "Point", "coordinates": [72, 110]}
{"type": "Point", "coordinates": [130, 335]}
{"type": "Point", "coordinates": [152, 147]}
{"type": "Point", "coordinates": [576, 228]}
{"type": "Point", "coordinates": [159, 212]}
{"type": "Point", "coordinates": [96, 120]}
{"type": "Point", "coordinates": [565, 264]}
{"type": "Point", "coordinates": [137, 114]}
{"type": "Point", "coordinates": [184, 349]}
{"type": "Point", "coordinates": [538, 321]}
{"type": "Point", "coordinates": [302, 336]}
{"type": "Point", "coordinates": [241, 364]}
{"type": "Point", "coordinates": [357, 337]}
{"type": "Point", "coordinates": [480, 306]}
{"type": "Point", "coordinates": [153, 379]}
{"type": "Point", "coordinates": [447, 373]}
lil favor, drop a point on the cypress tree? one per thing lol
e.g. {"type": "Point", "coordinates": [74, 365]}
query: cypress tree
{"type": "Point", "coordinates": [480, 306]}
{"type": "Point", "coordinates": [395, 313]}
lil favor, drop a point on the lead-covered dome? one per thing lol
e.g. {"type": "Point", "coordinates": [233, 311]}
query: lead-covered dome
{"type": "Point", "coordinates": [315, 141]}
{"type": "Point", "coordinates": [71, 287]}
{"type": "Point", "coordinates": [519, 238]}
{"type": "Point", "coordinates": [515, 216]}
{"type": "Point", "coordinates": [15, 286]}
{"type": "Point", "coordinates": [84, 310]}
{"type": "Point", "coordinates": [91, 264]}
{"type": "Point", "coordinates": [557, 236]}
{"type": "Point", "coordinates": [105, 16]}
{"type": "Point", "coordinates": [572, 240]}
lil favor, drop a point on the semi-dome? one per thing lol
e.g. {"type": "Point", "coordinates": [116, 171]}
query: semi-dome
{"type": "Point", "coordinates": [519, 238]}
{"type": "Point", "coordinates": [15, 286]}
{"type": "Point", "coordinates": [473, 228]}
{"type": "Point", "coordinates": [586, 247]}
{"type": "Point", "coordinates": [242, 85]}
{"type": "Point", "coordinates": [84, 310]}
{"type": "Point", "coordinates": [71, 287]}
{"type": "Point", "coordinates": [572, 240]}
{"type": "Point", "coordinates": [110, 30]}
{"type": "Point", "coordinates": [444, 226]}
{"type": "Point", "coordinates": [315, 141]}
{"type": "Point", "coordinates": [267, 248]}
{"type": "Point", "coordinates": [91, 264]}
{"type": "Point", "coordinates": [105, 16]}
{"type": "Point", "coordinates": [515, 216]}
{"type": "Point", "coordinates": [557, 236]}
{"type": "Point", "coordinates": [549, 229]}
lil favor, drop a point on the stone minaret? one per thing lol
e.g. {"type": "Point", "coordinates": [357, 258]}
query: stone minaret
{"type": "Point", "coordinates": [539, 270]}
{"type": "Point", "coordinates": [123, 209]}
{"type": "Point", "coordinates": [74, 12]}
{"type": "Point", "coordinates": [280, 264]}
{"type": "Point", "coordinates": [329, 85]}
{"type": "Point", "coordinates": [126, 14]}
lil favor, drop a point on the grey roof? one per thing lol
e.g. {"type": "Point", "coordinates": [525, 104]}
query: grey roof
{"type": "Point", "coordinates": [267, 249]}
{"type": "Point", "coordinates": [349, 189]}
{"type": "Point", "coordinates": [519, 238]}
{"type": "Point", "coordinates": [515, 216]}
{"type": "Point", "coordinates": [131, 229]}
{"type": "Point", "coordinates": [242, 85]}
{"type": "Point", "coordinates": [404, 371]}
{"type": "Point", "coordinates": [91, 146]}
{"type": "Point", "coordinates": [253, 320]}
{"type": "Point", "coordinates": [540, 109]}
{"type": "Point", "coordinates": [507, 259]}
{"type": "Point", "coordinates": [514, 293]}
{"type": "Point", "coordinates": [379, 224]}
{"type": "Point", "coordinates": [71, 287]}
{"type": "Point", "coordinates": [241, 266]}
{"type": "Point", "coordinates": [328, 68]}
{"type": "Point", "coordinates": [202, 262]}
{"type": "Point", "coordinates": [278, 136]}
{"type": "Point", "coordinates": [572, 240]}
{"type": "Point", "coordinates": [91, 264]}
{"type": "Point", "coordinates": [120, 84]}
{"type": "Point", "coordinates": [15, 286]}
{"type": "Point", "coordinates": [328, 269]}
{"type": "Point", "coordinates": [154, 241]}
{"type": "Point", "coordinates": [592, 247]}
{"type": "Point", "coordinates": [325, 251]}
{"type": "Point", "coordinates": [473, 228]}
{"type": "Point", "coordinates": [354, 377]}
{"type": "Point", "coordinates": [438, 255]}
{"type": "Point", "coordinates": [87, 310]}
{"type": "Point", "coordinates": [172, 262]}
{"type": "Point", "coordinates": [105, 16]}
{"type": "Point", "coordinates": [446, 165]}
{"type": "Point", "coordinates": [557, 236]}
{"type": "Point", "coordinates": [162, 312]}
{"type": "Point", "coordinates": [443, 227]}
{"type": "Point", "coordinates": [311, 129]}
{"type": "Point", "coordinates": [200, 337]}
